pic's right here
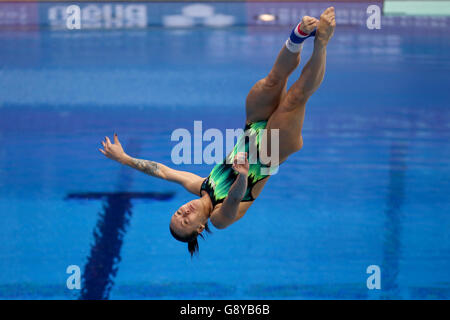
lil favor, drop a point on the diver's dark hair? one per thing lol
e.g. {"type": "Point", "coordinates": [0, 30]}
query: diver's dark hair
{"type": "Point", "coordinates": [190, 239]}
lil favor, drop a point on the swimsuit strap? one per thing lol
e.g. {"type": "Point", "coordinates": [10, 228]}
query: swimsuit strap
{"type": "Point", "coordinates": [206, 186]}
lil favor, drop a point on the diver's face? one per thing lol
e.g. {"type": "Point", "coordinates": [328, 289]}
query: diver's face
{"type": "Point", "coordinates": [188, 218]}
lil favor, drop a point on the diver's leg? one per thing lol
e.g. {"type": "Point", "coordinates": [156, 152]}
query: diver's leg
{"type": "Point", "coordinates": [289, 116]}
{"type": "Point", "coordinates": [267, 93]}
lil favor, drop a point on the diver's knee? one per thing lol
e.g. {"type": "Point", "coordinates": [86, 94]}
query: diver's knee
{"type": "Point", "coordinates": [294, 146]}
{"type": "Point", "coordinates": [293, 101]}
{"type": "Point", "coordinates": [298, 96]}
{"type": "Point", "coordinates": [299, 145]}
{"type": "Point", "coordinates": [273, 80]}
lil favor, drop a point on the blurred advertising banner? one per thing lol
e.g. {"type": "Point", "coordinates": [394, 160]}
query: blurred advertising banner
{"type": "Point", "coordinates": [117, 15]}
{"type": "Point", "coordinates": [132, 14]}
{"type": "Point", "coordinates": [181, 14]}
{"type": "Point", "coordinates": [161, 1]}
{"type": "Point", "coordinates": [97, 15]}
{"type": "Point", "coordinates": [19, 15]}
{"type": "Point", "coordinates": [289, 13]}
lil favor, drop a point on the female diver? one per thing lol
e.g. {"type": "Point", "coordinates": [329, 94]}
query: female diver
{"type": "Point", "coordinates": [233, 185]}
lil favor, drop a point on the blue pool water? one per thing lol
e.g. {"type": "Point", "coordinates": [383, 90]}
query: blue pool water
{"type": "Point", "coordinates": [370, 187]}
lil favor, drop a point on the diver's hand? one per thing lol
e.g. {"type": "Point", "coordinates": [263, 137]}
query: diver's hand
{"type": "Point", "coordinates": [240, 163]}
{"type": "Point", "coordinates": [114, 151]}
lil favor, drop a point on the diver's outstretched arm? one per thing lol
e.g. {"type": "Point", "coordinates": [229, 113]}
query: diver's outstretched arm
{"type": "Point", "coordinates": [191, 182]}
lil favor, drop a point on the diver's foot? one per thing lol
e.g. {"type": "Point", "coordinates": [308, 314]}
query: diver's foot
{"type": "Point", "coordinates": [326, 25]}
{"type": "Point", "coordinates": [308, 24]}
{"type": "Point", "coordinates": [304, 30]}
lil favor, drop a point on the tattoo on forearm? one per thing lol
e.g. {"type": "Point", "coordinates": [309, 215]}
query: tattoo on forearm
{"type": "Point", "coordinates": [147, 166]}
{"type": "Point", "coordinates": [238, 188]}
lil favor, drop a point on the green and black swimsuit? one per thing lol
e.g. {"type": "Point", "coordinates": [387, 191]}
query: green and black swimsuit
{"type": "Point", "coordinates": [222, 176]}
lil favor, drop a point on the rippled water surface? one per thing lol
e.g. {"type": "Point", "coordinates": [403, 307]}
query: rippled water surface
{"type": "Point", "coordinates": [370, 187]}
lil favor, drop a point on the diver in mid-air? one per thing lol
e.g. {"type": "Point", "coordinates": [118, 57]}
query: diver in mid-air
{"type": "Point", "coordinates": [232, 186]}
